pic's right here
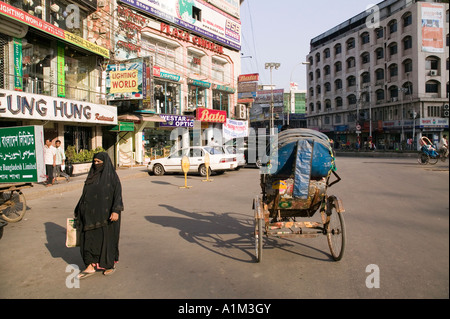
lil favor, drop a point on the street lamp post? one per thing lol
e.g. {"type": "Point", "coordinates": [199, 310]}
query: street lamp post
{"type": "Point", "coordinates": [270, 66]}
{"type": "Point", "coordinates": [290, 88]}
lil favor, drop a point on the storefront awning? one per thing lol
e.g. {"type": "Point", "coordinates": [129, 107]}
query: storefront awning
{"type": "Point", "coordinates": [141, 117]}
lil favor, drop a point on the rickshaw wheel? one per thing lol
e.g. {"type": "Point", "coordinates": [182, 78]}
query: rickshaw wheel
{"type": "Point", "coordinates": [16, 206]}
{"type": "Point", "coordinates": [259, 225]}
{"type": "Point", "coordinates": [335, 230]}
{"type": "Point", "coordinates": [433, 160]}
{"type": "Point", "coordinates": [423, 159]}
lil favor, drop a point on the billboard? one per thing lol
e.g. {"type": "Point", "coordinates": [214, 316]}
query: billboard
{"type": "Point", "coordinates": [433, 16]}
{"type": "Point", "coordinates": [124, 80]}
{"type": "Point", "coordinates": [196, 16]}
{"type": "Point", "coordinates": [22, 154]}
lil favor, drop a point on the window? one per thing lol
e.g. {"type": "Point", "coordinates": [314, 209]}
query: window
{"type": "Point", "coordinates": [338, 84]}
{"type": "Point", "coordinates": [407, 20]}
{"type": "Point", "coordinates": [338, 66]}
{"type": "Point", "coordinates": [408, 66]}
{"type": "Point", "coordinates": [434, 111]}
{"type": "Point", "coordinates": [326, 70]}
{"type": "Point", "coordinates": [407, 43]}
{"type": "Point", "coordinates": [393, 91]}
{"type": "Point", "coordinates": [317, 57]}
{"type": "Point", "coordinates": [195, 62]}
{"type": "Point", "coordinates": [408, 88]}
{"type": "Point", "coordinates": [393, 26]}
{"type": "Point", "coordinates": [432, 63]}
{"type": "Point", "coordinates": [338, 101]}
{"type": "Point", "coordinates": [351, 63]}
{"type": "Point", "coordinates": [311, 76]}
{"type": "Point", "coordinates": [393, 49]}
{"type": "Point", "coordinates": [351, 99]}
{"type": "Point", "coordinates": [319, 106]}
{"type": "Point", "coordinates": [350, 44]}
{"type": "Point", "coordinates": [351, 81]}
{"type": "Point", "coordinates": [365, 38]}
{"type": "Point", "coordinates": [65, 15]}
{"type": "Point", "coordinates": [166, 97]}
{"type": "Point", "coordinates": [379, 33]}
{"type": "Point", "coordinates": [220, 100]}
{"type": "Point", "coordinates": [432, 87]}
{"type": "Point", "coordinates": [318, 89]}
{"type": "Point", "coordinates": [380, 95]}
{"type": "Point", "coordinates": [365, 58]}
{"type": "Point", "coordinates": [337, 49]}
{"type": "Point", "coordinates": [365, 77]}
{"type": "Point", "coordinates": [327, 87]}
{"type": "Point", "coordinates": [78, 136]}
{"type": "Point", "coordinates": [393, 70]}
{"type": "Point", "coordinates": [327, 53]}
{"type": "Point", "coordinates": [317, 74]}
{"type": "Point", "coordinates": [219, 69]}
{"type": "Point", "coordinates": [379, 53]}
{"type": "Point", "coordinates": [379, 74]}
{"type": "Point", "coordinates": [328, 104]}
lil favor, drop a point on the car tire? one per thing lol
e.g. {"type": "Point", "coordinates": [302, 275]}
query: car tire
{"type": "Point", "coordinates": [202, 170]}
{"type": "Point", "coordinates": [158, 170]}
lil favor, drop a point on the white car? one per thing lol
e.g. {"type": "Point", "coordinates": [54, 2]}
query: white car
{"type": "Point", "coordinates": [230, 149]}
{"type": "Point", "coordinates": [220, 161]}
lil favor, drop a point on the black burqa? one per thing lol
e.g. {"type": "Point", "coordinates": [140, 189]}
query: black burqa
{"type": "Point", "coordinates": [102, 195]}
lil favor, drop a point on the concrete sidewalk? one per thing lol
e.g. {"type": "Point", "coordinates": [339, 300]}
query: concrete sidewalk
{"type": "Point", "coordinates": [77, 182]}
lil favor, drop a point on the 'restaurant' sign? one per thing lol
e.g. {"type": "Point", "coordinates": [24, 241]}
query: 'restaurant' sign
{"type": "Point", "coordinates": [21, 105]}
{"type": "Point", "coordinates": [212, 116]}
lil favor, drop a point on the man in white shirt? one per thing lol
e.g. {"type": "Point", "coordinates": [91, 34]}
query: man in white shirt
{"type": "Point", "coordinates": [60, 161]}
{"type": "Point", "coordinates": [49, 160]}
{"type": "Point", "coordinates": [444, 145]}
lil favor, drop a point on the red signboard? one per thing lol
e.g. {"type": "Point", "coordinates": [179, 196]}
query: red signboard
{"type": "Point", "coordinates": [249, 77]}
{"type": "Point", "coordinates": [209, 115]}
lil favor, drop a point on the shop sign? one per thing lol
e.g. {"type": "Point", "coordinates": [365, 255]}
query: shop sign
{"type": "Point", "coordinates": [434, 122]}
{"type": "Point", "coordinates": [22, 154]}
{"type": "Point", "coordinates": [211, 116]}
{"type": "Point", "coordinates": [223, 88]}
{"type": "Point", "coordinates": [18, 75]}
{"type": "Point", "coordinates": [125, 80]}
{"type": "Point", "coordinates": [177, 120]}
{"type": "Point", "coordinates": [32, 21]}
{"type": "Point", "coordinates": [61, 71]}
{"type": "Point", "coordinates": [19, 105]}
{"type": "Point", "coordinates": [214, 23]}
{"type": "Point", "coordinates": [244, 87]}
{"type": "Point", "coordinates": [341, 128]}
{"type": "Point", "coordinates": [123, 127]}
{"type": "Point", "coordinates": [199, 83]}
{"type": "Point", "coordinates": [163, 75]}
{"type": "Point", "coordinates": [248, 77]}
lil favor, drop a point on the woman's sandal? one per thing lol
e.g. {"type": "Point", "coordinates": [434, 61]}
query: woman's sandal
{"type": "Point", "coordinates": [109, 272]}
{"type": "Point", "coordinates": [85, 274]}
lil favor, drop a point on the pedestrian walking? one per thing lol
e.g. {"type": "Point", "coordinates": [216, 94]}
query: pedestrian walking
{"type": "Point", "coordinates": [60, 161]}
{"type": "Point", "coordinates": [98, 217]}
{"type": "Point", "coordinates": [50, 161]}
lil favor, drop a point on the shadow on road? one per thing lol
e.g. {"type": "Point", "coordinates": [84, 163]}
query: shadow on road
{"type": "Point", "coordinates": [56, 244]}
{"type": "Point", "coordinates": [212, 232]}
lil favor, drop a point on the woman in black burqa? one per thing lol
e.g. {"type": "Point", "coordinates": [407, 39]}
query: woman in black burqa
{"type": "Point", "coordinates": [98, 215]}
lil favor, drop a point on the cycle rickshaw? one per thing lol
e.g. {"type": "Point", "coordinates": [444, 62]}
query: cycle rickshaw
{"type": "Point", "coordinates": [294, 184]}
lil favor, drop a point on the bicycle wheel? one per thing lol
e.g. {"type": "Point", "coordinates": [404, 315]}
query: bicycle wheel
{"type": "Point", "coordinates": [433, 160]}
{"type": "Point", "coordinates": [258, 238]}
{"type": "Point", "coordinates": [335, 230]}
{"type": "Point", "coordinates": [423, 159]}
{"type": "Point", "coordinates": [15, 206]}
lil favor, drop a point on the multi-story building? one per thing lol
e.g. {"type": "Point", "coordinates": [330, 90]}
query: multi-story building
{"type": "Point", "coordinates": [185, 58]}
{"type": "Point", "coordinates": [382, 74]}
{"type": "Point", "coordinates": [51, 58]}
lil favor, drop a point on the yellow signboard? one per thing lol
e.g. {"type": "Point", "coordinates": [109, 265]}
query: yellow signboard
{"type": "Point", "coordinates": [124, 81]}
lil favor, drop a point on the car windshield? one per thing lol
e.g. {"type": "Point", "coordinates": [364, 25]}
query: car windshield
{"type": "Point", "coordinates": [214, 150]}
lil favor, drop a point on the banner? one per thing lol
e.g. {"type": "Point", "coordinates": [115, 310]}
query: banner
{"type": "Point", "coordinates": [125, 80]}
{"type": "Point", "coordinates": [234, 129]}
{"type": "Point", "coordinates": [61, 71]}
{"type": "Point", "coordinates": [433, 28]}
{"type": "Point", "coordinates": [18, 75]}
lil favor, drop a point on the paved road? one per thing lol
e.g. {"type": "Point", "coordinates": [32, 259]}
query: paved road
{"type": "Point", "coordinates": [197, 243]}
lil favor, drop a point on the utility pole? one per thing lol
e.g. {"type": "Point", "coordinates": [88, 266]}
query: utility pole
{"type": "Point", "coordinates": [270, 66]}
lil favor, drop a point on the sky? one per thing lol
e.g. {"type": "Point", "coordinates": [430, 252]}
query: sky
{"type": "Point", "coordinates": [280, 31]}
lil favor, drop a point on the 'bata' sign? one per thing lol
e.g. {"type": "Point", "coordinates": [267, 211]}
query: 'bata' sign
{"type": "Point", "coordinates": [249, 77]}
{"type": "Point", "coordinates": [209, 115]}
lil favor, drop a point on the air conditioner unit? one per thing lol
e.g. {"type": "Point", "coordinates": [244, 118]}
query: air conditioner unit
{"type": "Point", "coordinates": [241, 111]}
{"type": "Point", "coordinates": [433, 72]}
{"type": "Point", "coordinates": [394, 99]}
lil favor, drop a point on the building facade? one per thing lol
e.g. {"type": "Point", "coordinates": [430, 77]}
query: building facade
{"type": "Point", "coordinates": [51, 57]}
{"type": "Point", "coordinates": [173, 66]}
{"type": "Point", "coordinates": [382, 75]}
